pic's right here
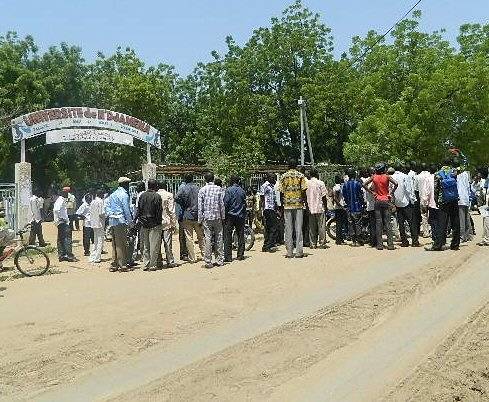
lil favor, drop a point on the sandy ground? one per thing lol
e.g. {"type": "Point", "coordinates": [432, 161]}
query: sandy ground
{"type": "Point", "coordinates": [342, 324]}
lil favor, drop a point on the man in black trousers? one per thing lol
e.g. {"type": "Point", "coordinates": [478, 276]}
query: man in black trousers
{"type": "Point", "coordinates": [235, 206]}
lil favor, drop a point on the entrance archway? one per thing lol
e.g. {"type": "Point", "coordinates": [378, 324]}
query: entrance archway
{"type": "Point", "coordinates": [76, 124]}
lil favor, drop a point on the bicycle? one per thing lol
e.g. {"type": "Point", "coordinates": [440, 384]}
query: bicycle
{"type": "Point", "coordinates": [29, 260]}
{"type": "Point", "coordinates": [249, 235]}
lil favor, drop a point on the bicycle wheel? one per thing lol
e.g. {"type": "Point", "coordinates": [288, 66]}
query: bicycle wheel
{"type": "Point", "coordinates": [31, 261]}
{"type": "Point", "coordinates": [331, 228]}
{"type": "Point", "coordinates": [249, 238]}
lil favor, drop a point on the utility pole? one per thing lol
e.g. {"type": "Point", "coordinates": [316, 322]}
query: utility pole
{"type": "Point", "coordinates": [305, 132]}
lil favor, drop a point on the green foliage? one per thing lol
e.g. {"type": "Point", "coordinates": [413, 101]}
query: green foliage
{"type": "Point", "coordinates": [406, 98]}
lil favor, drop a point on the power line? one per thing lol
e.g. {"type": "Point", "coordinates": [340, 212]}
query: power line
{"type": "Point", "coordinates": [385, 34]}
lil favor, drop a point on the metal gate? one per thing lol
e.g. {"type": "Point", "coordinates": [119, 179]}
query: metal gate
{"type": "Point", "coordinates": [8, 204]}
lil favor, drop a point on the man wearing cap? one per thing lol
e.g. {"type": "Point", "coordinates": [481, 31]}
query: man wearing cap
{"type": "Point", "coordinates": [120, 217]}
{"type": "Point", "coordinates": [61, 220]}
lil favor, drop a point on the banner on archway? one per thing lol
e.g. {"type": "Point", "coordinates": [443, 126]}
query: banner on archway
{"type": "Point", "coordinates": [88, 135]}
{"type": "Point", "coordinates": [45, 121]}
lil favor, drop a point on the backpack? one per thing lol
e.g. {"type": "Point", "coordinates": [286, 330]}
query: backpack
{"type": "Point", "coordinates": [448, 186]}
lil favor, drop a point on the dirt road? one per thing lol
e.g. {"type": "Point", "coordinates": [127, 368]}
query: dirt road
{"type": "Point", "coordinates": [342, 324]}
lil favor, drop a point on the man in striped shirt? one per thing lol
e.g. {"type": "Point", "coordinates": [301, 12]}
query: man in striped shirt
{"type": "Point", "coordinates": [211, 215]}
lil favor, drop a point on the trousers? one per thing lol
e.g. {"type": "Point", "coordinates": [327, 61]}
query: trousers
{"type": "Point", "coordinates": [383, 222]}
{"type": "Point", "coordinates": [166, 239]}
{"type": "Point", "coordinates": [120, 252]}
{"type": "Point", "coordinates": [151, 245]}
{"type": "Point", "coordinates": [293, 226]}
{"type": "Point", "coordinates": [447, 213]}
{"type": "Point", "coordinates": [407, 214]}
{"type": "Point", "coordinates": [317, 229]}
{"type": "Point", "coordinates": [213, 230]}
{"type": "Point", "coordinates": [88, 239]}
{"type": "Point", "coordinates": [230, 224]}
{"type": "Point", "coordinates": [189, 228]}
{"type": "Point", "coordinates": [36, 231]}
{"type": "Point", "coordinates": [341, 217]}
{"type": "Point", "coordinates": [270, 220]}
{"type": "Point", "coordinates": [98, 242]}
{"type": "Point", "coordinates": [466, 231]}
{"type": "Point", "coordinates": [64, 242]}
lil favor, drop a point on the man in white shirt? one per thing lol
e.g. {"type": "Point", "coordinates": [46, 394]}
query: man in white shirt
{"type": "Point", "coordinates": [36, 203]}
{"type": "Point", "coordinates": [84, 212]}
{"type": "Point", "coordinates": [169, 225]}
{"type": "Point", "coordinates": [404, 199]}
{"type": "Point", "coordinates": [423, 180]}
{"type": "Point", "coordinates": [97, 221]}
{"type": "Point", "coordinates": [61, 220]}
{"type": "Point", "coordinates": [463, 186]}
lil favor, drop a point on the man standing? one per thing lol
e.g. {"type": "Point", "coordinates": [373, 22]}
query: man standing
{"type": "Point", "coordinates": [423, 179]}
{"type": "Point", "coordinates": [169, 225]}
{"type": "Point", "coordinates": [211, 214]}
{"type": "Point", "coordinates": [120, 218]}
{"type": "Point", "coordinates": [270, 218]}
{"type": "Point", "coordinates": [188, 199]}
{"type": "Point", "coordinates": [381, 190]}
{"type": "Point", "coordinates": [353, 196]}
{"type": "Point", "coordinates": [149, 215]}
{"type": "Point", "coordinates": [62, 221]}
{"type": "Point", "coordinates": [405, 199]}
{"type": "Point", "coordinates": [463, 188]}
{"type": "Point", "coordinates": [316, 200]}
{"type": "Point", "coordinates": [370, 205]}
{"type": "Point", "coordinates": [235, 209]}
{"type": "Point", "coordinates": [181, 233]}
{"type": "Point", "coordinates": [84, 211]}
{"type": "Point", "coordinates": [341, 216]}
{"type": "Point", "coordinates": [97, 220]}
{"type": "Point", "coordinates": [71, 208]}
{"type": "Point", "coordinates": [446, 197]}
{"type": "Point", "coordinates": [36, 203]}
{"type": "Point", "coordinates": [293, 187]}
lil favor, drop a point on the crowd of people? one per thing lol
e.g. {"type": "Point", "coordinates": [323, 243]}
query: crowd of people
{"type": "Point", "coordinates": [400, 203]}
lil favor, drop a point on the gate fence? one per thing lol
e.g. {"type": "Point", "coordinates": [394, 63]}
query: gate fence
{"type": "Point", "coordinates": [8, 204]}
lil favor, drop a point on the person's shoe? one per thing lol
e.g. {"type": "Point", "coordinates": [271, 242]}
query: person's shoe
{"type": "Point", "coordinates": [431, 248]}
{"type": "Point", "coordinates": [64, 258]}
{"type": "Point", "coordinates": [340, 243]}
{"type": "Point", "coordinates": [380, 248]}
{"type": "Point", "coordinates": [416, 244]}
{"type": "Point", "coordinates": [289, 256]}
{"type": "Point", "coordinates": [299, 256]}
{"type": "Point", "coordinates": [241, 258]}
{"type": "Point", "coordinates": [172, 265]}
{"type": "Point", "coordinates": [455, 248]}
{"type": "Point", "coordinates": [86, 253]}
{"type": "Point", "coordinates": [132, 264]}
{"type": "Point", "coordinates": [43, 245]}
{"type": "Point", "coordinates": [209, 266]}
{"type": "Point", "coordinates": [186, 259]}
{"type": "Point", "coordinates": [113, 269]}
{"type": "Point", "coordinates": [405, 244]}
{"type": "Point", "coordinates": [104, 252]}
{"type": "Point", "coordinates": [229, 261]}
{"type": "Point", "coordinates": [71, 259]}
{"type": "Point", "coordinates": [391, 248]}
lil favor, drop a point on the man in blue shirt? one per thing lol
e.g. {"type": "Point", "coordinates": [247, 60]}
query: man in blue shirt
{"type": "Point", "coordinates": [120, 218]}
{"type": "Point", "coordinates": [235, 207]}
{"type": "Point", "coordinates": [355, 204]}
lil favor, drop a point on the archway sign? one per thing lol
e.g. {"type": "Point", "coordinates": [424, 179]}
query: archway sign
{"type": "Point", "coordinates": [74, 124]}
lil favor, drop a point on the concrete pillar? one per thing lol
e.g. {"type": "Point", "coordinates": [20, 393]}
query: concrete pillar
{"type": "Point", "coordinates": [24, 192]}
{"type": "Point", "coordinates": [149, 171]}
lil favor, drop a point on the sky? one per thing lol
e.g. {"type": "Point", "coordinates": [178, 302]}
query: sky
{"type": "Point", "coordinates": [183, 33]}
